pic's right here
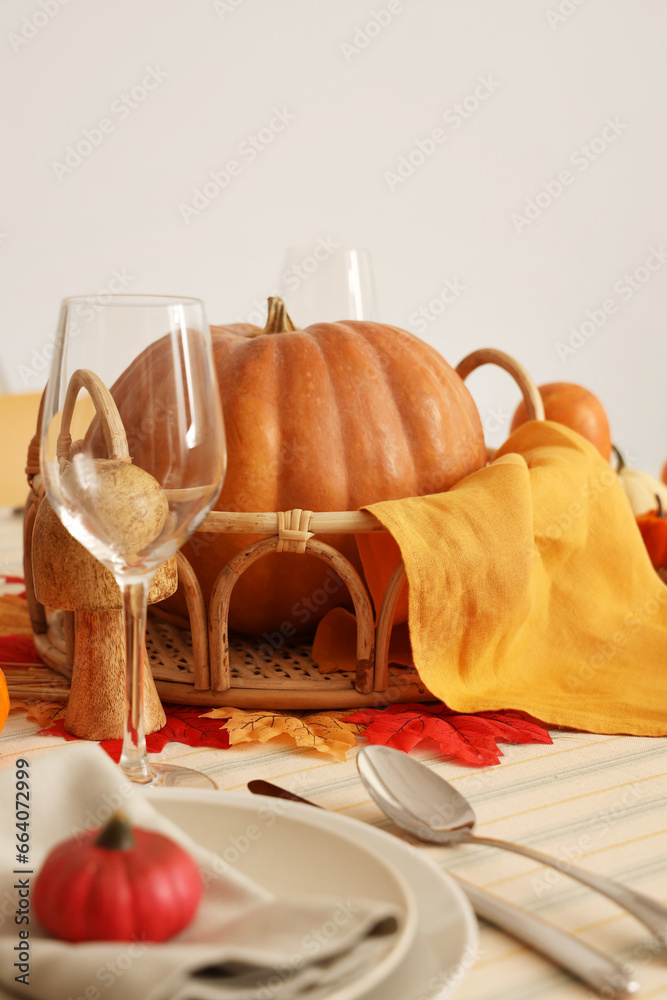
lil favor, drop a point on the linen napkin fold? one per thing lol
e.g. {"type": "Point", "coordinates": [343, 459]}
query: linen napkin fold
{"type": "Point", "coordinates": [244, 944]}
{"type": "Point", "coordinates": [529, 588]}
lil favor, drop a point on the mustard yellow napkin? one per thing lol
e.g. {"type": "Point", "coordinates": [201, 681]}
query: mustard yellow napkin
{"type": "Point", "coordinates": [530, 588]}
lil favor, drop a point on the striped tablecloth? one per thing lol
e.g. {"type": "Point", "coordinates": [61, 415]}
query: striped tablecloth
{"type": "Point", "coordinates": [598, 799]}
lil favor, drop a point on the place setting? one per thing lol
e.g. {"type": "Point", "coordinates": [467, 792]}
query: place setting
{"type": "Point", "coordinates": [273, 895]}
{"type": "Point", "coordinates": [333, 502]}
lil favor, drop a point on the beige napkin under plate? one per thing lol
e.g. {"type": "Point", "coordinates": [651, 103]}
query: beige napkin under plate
{"type": "Point", "coordinates": [243, 943]}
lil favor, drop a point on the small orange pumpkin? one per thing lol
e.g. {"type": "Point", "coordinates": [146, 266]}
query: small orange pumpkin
{"type": "Point", "coordinates": [663, 474]}
{"type": "Point", "coordinates": [653, 528]}
{"type": "Point", "coordinates": [577, 408]}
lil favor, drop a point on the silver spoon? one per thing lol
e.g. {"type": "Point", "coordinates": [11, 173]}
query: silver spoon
{"type": "Point", "coordinates": [607, 977]}
{"type": "Point", "coordinates": [420, 801]}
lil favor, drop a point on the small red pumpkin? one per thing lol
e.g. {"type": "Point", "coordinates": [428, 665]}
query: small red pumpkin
{"type": "Point", "coordinates": [120, 883]}
{"type": "Point", "coordinates": [653, 528]}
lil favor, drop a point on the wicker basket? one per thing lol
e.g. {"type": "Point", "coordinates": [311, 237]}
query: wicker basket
{"type": "Point", "coordinates": [204, 665]}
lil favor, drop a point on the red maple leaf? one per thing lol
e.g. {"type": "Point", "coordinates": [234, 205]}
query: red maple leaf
{"type": "Point", "coordinates": [18, 649]}
{"type": "Point", "coordinates": [184, 725]}
{"type": "Point", "coordinates": [470, 739]}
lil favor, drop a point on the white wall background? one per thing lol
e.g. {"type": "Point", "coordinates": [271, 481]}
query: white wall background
{"type": "Point", "coordinates": [560, 68]}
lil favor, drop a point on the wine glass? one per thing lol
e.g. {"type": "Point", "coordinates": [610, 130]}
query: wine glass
{"type": "Point", "coordinates": [327, 282]}
{"type": "Point", "coordinates": [134, 376]}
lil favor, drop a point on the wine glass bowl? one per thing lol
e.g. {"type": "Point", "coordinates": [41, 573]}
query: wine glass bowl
{"type": "Point", "coordinates": [133, 452]}
{"type": "Point", "coordinates": [338, 287]}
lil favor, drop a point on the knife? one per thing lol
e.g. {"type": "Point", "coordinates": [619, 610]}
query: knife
{"type": "Point", "coordinates": [607, 977]}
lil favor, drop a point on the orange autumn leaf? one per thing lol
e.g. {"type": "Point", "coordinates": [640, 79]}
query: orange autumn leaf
{"type": "Point", "coordinates": [44, 713]}
{"type": "Point", "coordinates": [326, 732]}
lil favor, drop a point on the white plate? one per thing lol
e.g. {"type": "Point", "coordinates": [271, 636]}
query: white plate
{"type": "Point", "coordinates": [311, 850]}
{"type": "Point", "coordinates": [265, 841]}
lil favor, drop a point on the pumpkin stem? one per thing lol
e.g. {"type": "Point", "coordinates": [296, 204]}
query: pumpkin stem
{"type": "Point", "coordinates": [116, 835]}
{"type": "Point", "coordinates": [278, 320]}
{"type": "Point", "coordinates": [619, 458]}
{"type": "Point", "coordinates": [660, 511]}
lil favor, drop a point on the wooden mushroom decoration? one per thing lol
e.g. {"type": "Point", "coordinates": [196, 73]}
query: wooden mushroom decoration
{"type": "Point", "coordinates": [133, 508]}
{"type": "Point", "coordinates": [68, 577]}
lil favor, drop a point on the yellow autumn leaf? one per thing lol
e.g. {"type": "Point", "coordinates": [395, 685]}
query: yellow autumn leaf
{"type": "Point", "coordinates": [44, 713]}
{"type": "Point", "coordinates": [326, 732]}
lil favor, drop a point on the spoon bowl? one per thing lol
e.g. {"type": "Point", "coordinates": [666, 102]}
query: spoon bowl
{"type": "Point", "coordinates": [416, 798]}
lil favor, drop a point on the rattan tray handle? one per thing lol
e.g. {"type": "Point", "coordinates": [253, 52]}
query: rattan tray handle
{"type": "Point", "coordinates": [492, 356]}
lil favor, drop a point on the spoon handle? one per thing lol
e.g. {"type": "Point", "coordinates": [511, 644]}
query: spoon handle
{"type": "Point", "coordinates": [601, 973]}
{"type": "Point", "coordinates": [649, 911]}
{"type": "Point", "coordinates": [607, 977]}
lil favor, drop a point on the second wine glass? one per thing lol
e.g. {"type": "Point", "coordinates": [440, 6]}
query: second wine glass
{"type": "Point", "coordinates": [336, 285]}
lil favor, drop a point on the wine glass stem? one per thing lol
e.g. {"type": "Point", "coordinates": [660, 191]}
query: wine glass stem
{"type": "Point", "coordinates": [134, 759]}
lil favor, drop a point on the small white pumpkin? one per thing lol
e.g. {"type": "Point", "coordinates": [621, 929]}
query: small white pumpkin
{"type": "Point", "coordinates": [640, 488]}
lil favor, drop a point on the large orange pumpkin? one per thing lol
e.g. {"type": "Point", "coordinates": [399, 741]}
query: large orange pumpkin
{"type": "Point", "coordinates": [4, 701]}
{"type": "Point", "coordinates": [576, 407]}
{"type": "Point", "coordinates": [331, 417]}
